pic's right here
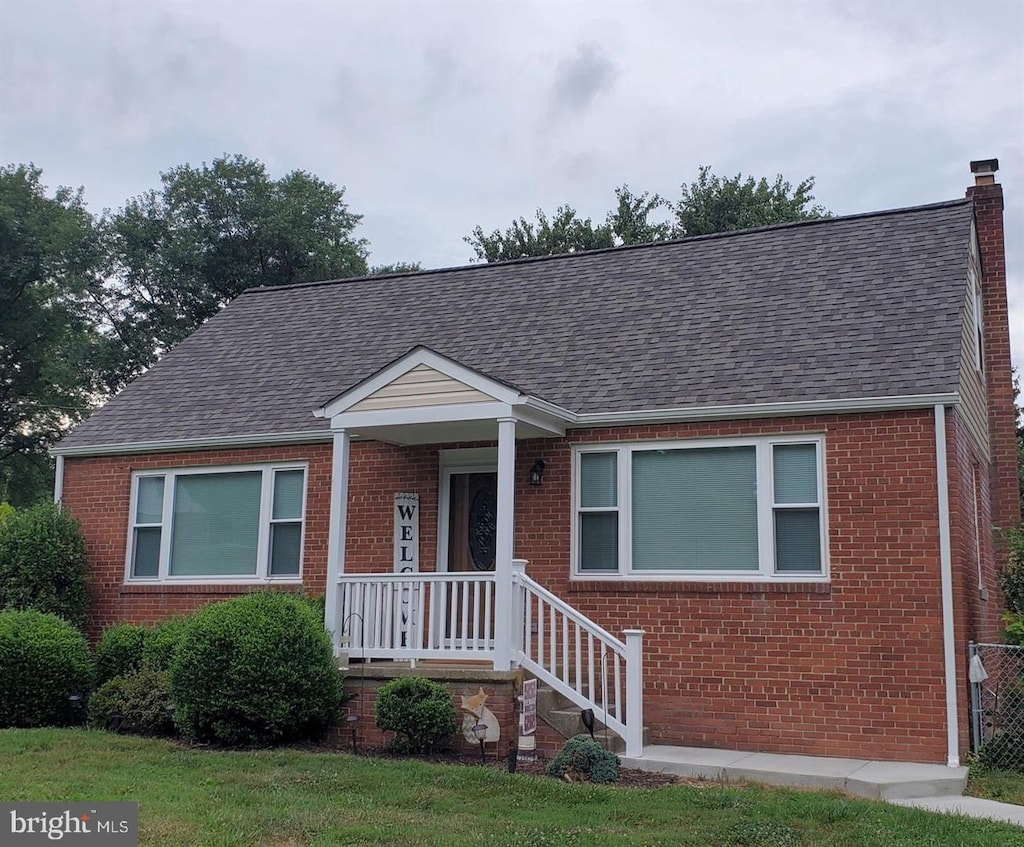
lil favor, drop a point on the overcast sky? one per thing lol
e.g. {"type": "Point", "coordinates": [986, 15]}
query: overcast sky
{"type": "Point", "coordinates": [437, 116]}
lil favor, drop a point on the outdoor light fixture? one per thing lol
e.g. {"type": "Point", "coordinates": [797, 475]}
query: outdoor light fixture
{"type": "Point", "coordinates": [480, 734]}
{"type": "Point", "coordinates": [537, 472]}
{"type": "Point", "coordinates": [587, 716]}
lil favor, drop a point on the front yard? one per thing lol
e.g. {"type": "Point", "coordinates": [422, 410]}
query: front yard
{"type": "Point", "coordinates": [296, 797]}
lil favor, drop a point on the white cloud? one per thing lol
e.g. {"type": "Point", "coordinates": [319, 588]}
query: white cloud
{"type": "Point", "coordinates": [439, 116]}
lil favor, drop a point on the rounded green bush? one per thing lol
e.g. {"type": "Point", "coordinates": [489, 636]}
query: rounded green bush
{"type": "Point", "coordinates": [44, 662]}
{"type": "Point", "coordinates": [161, 643]}
{"type": "Point", "coordinates": [256, 670]}
{"type": "Point", "coordinates": [119, 651]}
{"type": "Point", "coordinates": [582, 758]}
{"type": "Point", "coordinates": [136, 703]}
{"type": "Point", "coordinates": [42, 563]}
{"type": "Point", "coordinates": [420, 711]}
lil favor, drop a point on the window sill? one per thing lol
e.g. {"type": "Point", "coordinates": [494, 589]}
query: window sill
{"type": "Point", "coordinates": [590, 587]}
{"type": "Point", "coordinates": [235, 587]}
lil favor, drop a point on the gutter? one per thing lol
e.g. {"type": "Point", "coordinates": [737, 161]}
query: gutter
{"type": "Point", "coordinates": [946, 569]}
{"type": "Point", "coordinates": [58, 481]}
{"type": "Point", "coordinates": [572, 420]}
{"type": "Point", "coordinates": [259, 440]}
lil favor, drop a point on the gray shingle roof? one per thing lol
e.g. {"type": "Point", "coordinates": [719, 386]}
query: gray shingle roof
{"type": "Point", "coordinates": [861, 306]}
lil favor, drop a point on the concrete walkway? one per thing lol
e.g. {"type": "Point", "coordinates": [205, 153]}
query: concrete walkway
{"type": "Point", "coordinates": [934, 787]}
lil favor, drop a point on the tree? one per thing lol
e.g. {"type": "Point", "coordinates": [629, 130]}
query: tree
{"type": "Point", "coordinates": [180, 253]}
{"type": "Point", "coordinates": [710, 204]}
{"type": "Point", "coordinates": [396, 268]}
{"type": "Point", "coordinates": [566, 232]}
{"type": "Point", "coordinates": [54, 361]}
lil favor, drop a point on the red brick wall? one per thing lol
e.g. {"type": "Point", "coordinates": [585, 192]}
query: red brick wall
{"type": "Point", "coordinates": [853, 667]}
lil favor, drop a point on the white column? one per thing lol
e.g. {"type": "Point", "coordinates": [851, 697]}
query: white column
{"type": "Point", "coordinates": [504, 544]}
{"type": "Point", "coordinates": [634, 692]}
{"type": "Point", "coordinates": [336, 534]}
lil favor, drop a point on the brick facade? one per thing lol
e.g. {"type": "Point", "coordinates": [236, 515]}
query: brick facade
{"type": "Point", "coordinates": [852, 667]}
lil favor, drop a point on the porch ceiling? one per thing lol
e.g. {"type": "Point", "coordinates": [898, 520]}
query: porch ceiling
{"type": "Point", "coordinates": [447, 432]}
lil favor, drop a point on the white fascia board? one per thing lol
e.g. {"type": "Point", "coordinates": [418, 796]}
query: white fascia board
{"type": "Point", "coordinates": [543, 420]}
{"type": "Point", "coordinates": [419, 356]}
{"type": "Point", "coordinates": [767, 410]}
{"type": "Point", "coordinates": [171, 445]}
{"type": "Point", "coordinates": [355, 421]}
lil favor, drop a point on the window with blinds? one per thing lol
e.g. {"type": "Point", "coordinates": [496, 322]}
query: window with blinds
{"type": "Point", "coordinates": [740, 509]}
{"type": "Point", "coordinates": [238, 524]}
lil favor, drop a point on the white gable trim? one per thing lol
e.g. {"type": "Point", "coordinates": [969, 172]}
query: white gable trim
{"type": "Point", "coordinates": [420, 356]}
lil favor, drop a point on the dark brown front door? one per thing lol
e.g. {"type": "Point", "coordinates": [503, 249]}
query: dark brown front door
{"type": "Point", "coordinates": [472, 520]}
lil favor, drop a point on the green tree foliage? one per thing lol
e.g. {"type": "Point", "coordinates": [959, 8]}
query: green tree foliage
{"type": "Point", "coordinates": [42, 563]}
{"type": "Point", "coordinates": [713, 204]}
{"type": "Point", "coordinates": [396, 268]}
{"type": "Point", "coordinates": [180, 253]}
{"type": "Point", "coordinates": [707, 205]}
{"type": "Point", "coordinates": [55, 360]}
{"type": "Point", "coordinates": [565, 232]}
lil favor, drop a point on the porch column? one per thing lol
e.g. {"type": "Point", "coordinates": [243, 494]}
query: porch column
{"type": "Point", "coordinates": [336, 535]}
{"type": "Point", "coordinates": [504, 543]}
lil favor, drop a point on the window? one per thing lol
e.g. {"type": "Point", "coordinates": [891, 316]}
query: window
{"type": "Point", "coordinates": [238, 524]}
{"type": "Point", "coordinates": [718, 510]}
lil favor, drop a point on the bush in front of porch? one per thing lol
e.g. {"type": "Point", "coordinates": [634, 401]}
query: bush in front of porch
{"type": "Point", "coordinates": [420, 711]}
{"type": "Point", "coordinates": [257, 670]}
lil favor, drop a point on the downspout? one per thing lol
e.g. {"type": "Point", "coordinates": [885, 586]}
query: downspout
{"type": "Point", "coordinates": [58, 481]}
{"type": "Point", "coordinates": [946, 569]}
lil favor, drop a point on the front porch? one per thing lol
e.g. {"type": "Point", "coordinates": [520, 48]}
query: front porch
{"type": "Point", "coordinates": [494, 612]}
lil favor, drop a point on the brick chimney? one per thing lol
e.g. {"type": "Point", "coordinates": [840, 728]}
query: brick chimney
{"type": "Point", "coordinates": [987, 195]}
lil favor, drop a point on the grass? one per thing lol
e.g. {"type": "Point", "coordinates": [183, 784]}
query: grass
{"type": "Point", "coordinates": [293, 797]}
{"type": "Point", "coordinates": [1004, 786]}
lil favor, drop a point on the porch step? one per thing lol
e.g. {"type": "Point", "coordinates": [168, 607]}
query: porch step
{"type": "Point", "coordinates": [564, 717]}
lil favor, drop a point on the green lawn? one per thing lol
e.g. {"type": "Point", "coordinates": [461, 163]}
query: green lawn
{"type": "Point", "coordinates": [292, 797]}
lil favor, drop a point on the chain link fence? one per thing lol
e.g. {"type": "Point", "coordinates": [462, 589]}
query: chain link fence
{"type": "Point", "coordinates": [997, 705]}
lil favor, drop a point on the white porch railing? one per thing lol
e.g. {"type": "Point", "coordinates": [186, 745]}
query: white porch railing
{"type": "Point", "coordinates": [580, 660]}
{"type": "Point", "coordinates": [417, 616]}
{"type": "Point", "coordinates": [452, 616]}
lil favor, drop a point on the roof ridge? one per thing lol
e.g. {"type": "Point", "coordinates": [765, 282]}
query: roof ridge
{"type": "Point", "coordinates": [690, 239]}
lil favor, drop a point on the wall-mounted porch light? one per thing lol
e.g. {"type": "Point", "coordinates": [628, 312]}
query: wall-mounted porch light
{"type": "Point", "coordinates": [537, 472]}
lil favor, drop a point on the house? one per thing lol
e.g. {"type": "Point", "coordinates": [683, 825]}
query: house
{"type": "Point", "coordinates": [735, 489]}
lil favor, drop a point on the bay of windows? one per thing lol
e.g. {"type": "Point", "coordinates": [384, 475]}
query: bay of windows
{"type": "Point", "coordinates": [234, 524]}
{"type": "Point", "coordinates": [736, 509]}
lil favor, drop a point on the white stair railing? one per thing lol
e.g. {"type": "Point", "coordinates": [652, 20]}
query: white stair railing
{"type": "Point", "coordinates": [579, 659]}
{"type": "Point", "coordinates": [417, 616]}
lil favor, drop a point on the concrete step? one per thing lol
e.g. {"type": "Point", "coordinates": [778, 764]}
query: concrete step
{"type": "Point", "coordinates": [565, 717]}
{"type": "Point", "coordinates": [862, 778]}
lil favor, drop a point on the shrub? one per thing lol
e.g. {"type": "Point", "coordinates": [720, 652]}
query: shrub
{"type": "Point", "coordinates": [256, 670]}
{"type": "Point", "coordinates": [135, 703]}
{"type": "Point", "coordinates": [43, 662]}
{"type": "Point", "coordinates": [119, 651]}
{"type": "Point", "coordinates": [419, 710]}
{"type": "Point", "coordinates": [42, 563]}
{"type": "Point", "coordinates": [161, 642]}
{"type": "Point", "coordinates": [581, 759]}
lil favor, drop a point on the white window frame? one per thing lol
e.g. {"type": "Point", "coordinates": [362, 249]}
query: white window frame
{"type": "Point", "coordinates": [766, 507]}
{"type": "Point", "coordinates": [266, 519]}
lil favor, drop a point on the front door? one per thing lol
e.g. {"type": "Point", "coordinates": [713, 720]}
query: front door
{"type": "Point", "coordinates": [472, 521]}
